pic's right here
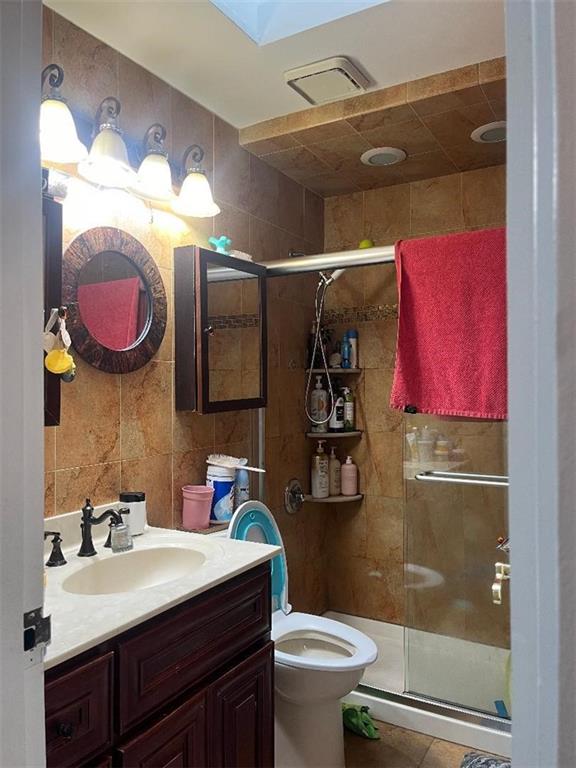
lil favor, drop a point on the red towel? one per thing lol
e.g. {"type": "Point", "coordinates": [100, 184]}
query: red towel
{"type": "Point", "coordinates": [451, 351]}
{"type": "Point", "coordinates": [110, 311]}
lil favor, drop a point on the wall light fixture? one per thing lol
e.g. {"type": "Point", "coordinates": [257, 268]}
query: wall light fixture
{"type": "Point", "coordinates": [195, 198]}
{"type": "Point", "coordinates": [59, 142]}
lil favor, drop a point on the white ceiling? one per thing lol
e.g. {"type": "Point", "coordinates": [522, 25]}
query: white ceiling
{"type": "Point", "coordinates": [197, 49]}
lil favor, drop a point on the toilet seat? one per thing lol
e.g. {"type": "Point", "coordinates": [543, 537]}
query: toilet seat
{"type": "Point", "coordinates": [306, 641]}
{"type": "Point", "coordinates": [303, 641]}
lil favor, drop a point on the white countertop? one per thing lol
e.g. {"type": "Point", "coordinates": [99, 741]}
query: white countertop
{"type": "Point", "coordinates": [81, 621]}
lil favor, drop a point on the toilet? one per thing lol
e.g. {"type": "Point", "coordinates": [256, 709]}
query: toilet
{"type": "Point", "coordinates": [317, 661]}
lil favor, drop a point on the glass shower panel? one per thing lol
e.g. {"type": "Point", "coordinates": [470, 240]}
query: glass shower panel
{"type": "Point", "coordinates": [457, 640]}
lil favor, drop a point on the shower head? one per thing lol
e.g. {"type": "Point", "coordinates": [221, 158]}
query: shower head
{"type": "Point", "coordinates": [329, 279]}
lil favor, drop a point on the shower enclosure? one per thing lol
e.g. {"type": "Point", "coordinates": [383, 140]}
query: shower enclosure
{"type": "Point", "coordinates": [456, 638]}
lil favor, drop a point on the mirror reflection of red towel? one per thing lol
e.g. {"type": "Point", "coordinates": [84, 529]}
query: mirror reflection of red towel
{"type": "Point", "coordinates": [109, 311]}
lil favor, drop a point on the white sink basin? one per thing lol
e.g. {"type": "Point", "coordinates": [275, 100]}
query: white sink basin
{"type": "Point", "coordinates": [134, 570]}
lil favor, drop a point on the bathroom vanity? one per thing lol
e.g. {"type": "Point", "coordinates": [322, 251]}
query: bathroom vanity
{"type": "Point", "coordinates": [192, 686]}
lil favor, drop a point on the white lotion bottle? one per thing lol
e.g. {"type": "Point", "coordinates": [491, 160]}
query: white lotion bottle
{"type": "Point", "coordinates": [349, 477]}
{"type": "Point", "coordinates": [335, 484]}
{"type": "Point", "coordinates": [320, 473]}
{"type": "Point", "coordinates": [319, 407]}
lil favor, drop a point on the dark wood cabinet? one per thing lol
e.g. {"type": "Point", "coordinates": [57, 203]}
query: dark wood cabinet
{"type": "Point", "coordinates": [178, 740]}
{"type": "Point", "coordinates": [191, 688]}
{"type": "Point", "coordinates": [242, 714]}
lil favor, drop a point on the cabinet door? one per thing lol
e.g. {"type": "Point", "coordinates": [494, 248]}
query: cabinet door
{"type": "Point", "coordinates": [242, 714]}
{"type": "Point", "coordinates": [177, 740]}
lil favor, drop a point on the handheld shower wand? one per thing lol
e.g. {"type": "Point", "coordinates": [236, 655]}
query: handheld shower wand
{"type": "Point", "coordinates": [323, 284]}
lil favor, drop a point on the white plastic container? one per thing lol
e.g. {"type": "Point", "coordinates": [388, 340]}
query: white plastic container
{"type": "Point", "coordinates": [335, 483]}
{"type": "Point", "coordinates": [349, 477]}
{"type": "Point", "coordinates": [135, 501]}
{"type": "Point", "coordinates": [222, 479]}
{"type": "Point", "coordinates": [320, 473]}
{"type": "Point", "coordinates": [319, 407]}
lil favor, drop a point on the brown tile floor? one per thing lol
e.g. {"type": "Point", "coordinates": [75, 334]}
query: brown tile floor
{"type": "Point", "coordinates": [399, 748]}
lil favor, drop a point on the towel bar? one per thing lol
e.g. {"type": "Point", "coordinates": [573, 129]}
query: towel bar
{"type": "Point", "coordinates": [462, 478]}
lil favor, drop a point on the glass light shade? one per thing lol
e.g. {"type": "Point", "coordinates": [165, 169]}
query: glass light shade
{"type": "Point", "coordinates": [107, 164]}
{"type": "Point", "coordinates": [154, 180]}
{"type": "Point", "coordinates": [195, 198]}
{"type": "Point", "coordinates": [59, 141]}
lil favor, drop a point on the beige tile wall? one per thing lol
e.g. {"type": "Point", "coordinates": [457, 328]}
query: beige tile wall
{"type": "Point", "coordinates": [122, 431]}
{"type": "Point", "coordinates": [369, 544]}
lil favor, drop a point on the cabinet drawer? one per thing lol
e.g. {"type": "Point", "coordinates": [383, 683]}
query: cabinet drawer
{"type": "Point", "coordinates": [79, 713]}
{"type": "Point", "coordinates": [179, 739]}
{"type": "Point", "coordinates": [182, 647]}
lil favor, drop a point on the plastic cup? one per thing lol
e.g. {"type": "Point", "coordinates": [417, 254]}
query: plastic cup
{"type": "Point", "coordinates": [196, 504]}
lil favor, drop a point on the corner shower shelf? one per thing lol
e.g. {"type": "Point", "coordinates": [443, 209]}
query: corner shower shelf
{"type": "Point", "coordinates": [334, 499]}
{"type": "Point", "coordinates": [333, 435]}
{"type": "Point", "coordinates": [335, 371]}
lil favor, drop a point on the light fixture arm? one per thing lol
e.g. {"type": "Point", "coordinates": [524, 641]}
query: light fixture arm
{"type": "Point", "coordinates": [154, 140]}
{"type": "Point", "coordinates": [55, 76]}
{"type": "Point", "coordinates": [108, 112]}
{"type": "Point", "coordinates": [196, 152]}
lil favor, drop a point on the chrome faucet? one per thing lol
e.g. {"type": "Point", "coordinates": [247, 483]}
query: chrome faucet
{"type": "Point", "coordinates": [88, 520]}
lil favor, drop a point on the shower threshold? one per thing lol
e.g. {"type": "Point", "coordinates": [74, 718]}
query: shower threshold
{"type": "Point", "coordinates": [383, 687]}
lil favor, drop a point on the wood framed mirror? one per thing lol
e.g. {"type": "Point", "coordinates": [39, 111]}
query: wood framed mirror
{"type": "Point", "coordinates": [116, 300]}
{"type": "Point", "coordinates": [221, 332]}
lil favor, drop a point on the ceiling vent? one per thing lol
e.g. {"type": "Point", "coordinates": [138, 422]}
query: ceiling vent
{"type": "Point", "coordinates": [327, 80]}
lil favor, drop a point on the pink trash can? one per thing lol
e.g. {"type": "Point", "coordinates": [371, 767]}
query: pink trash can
{"type": "Point", "coordinates": [197, 501]}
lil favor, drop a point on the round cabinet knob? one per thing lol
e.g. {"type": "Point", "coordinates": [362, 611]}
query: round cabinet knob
{"type": "Point", "coordinates": [209, 330]}
{"type": "Point", "coordinates": [66, 730]}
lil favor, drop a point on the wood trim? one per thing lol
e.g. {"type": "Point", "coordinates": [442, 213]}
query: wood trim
{"type": "Point", "coordinates": [202, 258]}
{"type": "Point", "coordinates": [80, 251]}
{"type": "Point", "coordinates": [52, 247]}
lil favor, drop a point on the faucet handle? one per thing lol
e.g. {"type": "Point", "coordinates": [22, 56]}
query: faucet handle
{"type": "Point", "coordinates": [56, 557]}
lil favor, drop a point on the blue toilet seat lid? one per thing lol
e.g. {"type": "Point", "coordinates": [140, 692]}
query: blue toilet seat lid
{"type": "Point", "coordinates": [253, 521]}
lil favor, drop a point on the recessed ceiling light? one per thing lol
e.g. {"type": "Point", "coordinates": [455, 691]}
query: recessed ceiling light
{"type": "Point", "coordinates": [382, 156]}
{"type": "Point", "coordinates": [491, 133]}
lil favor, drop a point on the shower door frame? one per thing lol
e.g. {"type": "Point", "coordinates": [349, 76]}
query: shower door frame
{"type": "Point", "coordinates": [541, 72]}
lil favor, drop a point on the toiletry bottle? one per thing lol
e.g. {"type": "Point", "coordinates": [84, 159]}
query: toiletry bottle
{"type": "Point", "coordinates": [352, 335]}
{"type": "Point", "coordinates": [337, 418]}
{"type": "Point", "coordinates": [320, 474]}
{"type": "Point", "coordinates": [241, 487]}
{"type": "Point", "coordinates": [349, 477]}
{"type": "Point", "coordinates": [319, 407]}
{"type": "Point", "coordinates": [349, 410]}
{"type": "Point", "coordinates": [335, 485]}
{"type": "Point", "coordinates": [345, 351]}
{"type": "Point", "coordinates": [136, 503]}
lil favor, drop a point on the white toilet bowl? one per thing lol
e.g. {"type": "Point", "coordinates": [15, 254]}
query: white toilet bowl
{"type": "Point", "coordinates": [317, 661]}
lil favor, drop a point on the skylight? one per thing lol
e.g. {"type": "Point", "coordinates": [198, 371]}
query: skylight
{"type": "Point", "coordinates": [266, 21]}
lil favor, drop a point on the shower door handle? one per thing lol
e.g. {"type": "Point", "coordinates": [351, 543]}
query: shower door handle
{"type": "Point", "coordinates": [462, 478]}
{"type": "Point", "coordinates": [502, 574]}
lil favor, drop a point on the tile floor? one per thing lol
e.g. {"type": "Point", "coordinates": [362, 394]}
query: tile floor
{"type": "Point", "coordinates": [399, 748]}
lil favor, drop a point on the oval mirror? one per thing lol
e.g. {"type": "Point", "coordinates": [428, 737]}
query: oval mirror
{"type": "Point", "coordinates": [113, 300]}
{"type": "Point", "coordinates": [116, 300]}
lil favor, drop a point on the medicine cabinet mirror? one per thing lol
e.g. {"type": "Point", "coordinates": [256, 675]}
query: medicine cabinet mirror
{"type": "Point", "coordinates": [220, 333]}
{"type": "Point", "coordinates": [116, 300]}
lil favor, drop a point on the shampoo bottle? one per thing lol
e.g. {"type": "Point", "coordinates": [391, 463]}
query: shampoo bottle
{"type": "Point", "coordinates": [320, 474]}
{"type": "Point", "coordinates": [335, 485]}
{"type": "Point", "coordinates": [349, 478]}
{"type": "Point", "coordinates": [319, 407]}
{"type": "Point", "coordinates": [349, 415]}
{"type": "Point", "coordinates": [337, 418]}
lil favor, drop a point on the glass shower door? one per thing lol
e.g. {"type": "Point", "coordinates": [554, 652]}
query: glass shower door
{"type": "Point", "coordinates": [457, 640]}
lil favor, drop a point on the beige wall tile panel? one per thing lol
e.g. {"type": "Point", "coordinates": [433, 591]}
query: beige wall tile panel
{"type": "Point", "coordinates": [153, 476]}
{"type": "Point", "coordinates": [99, 482]}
